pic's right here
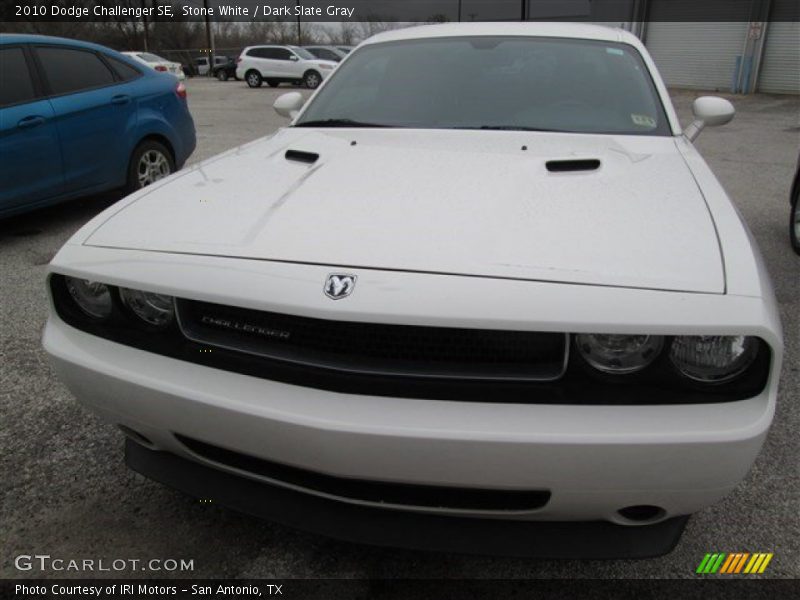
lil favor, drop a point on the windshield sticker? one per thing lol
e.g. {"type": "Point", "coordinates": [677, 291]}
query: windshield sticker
{"type": "Point", "coordinates": [616, 51]}
{"type": "Point", "coordinates": [643, 121]}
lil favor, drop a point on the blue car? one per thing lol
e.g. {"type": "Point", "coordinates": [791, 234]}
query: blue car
{"type": "Point", "coordinates": [77, 118]}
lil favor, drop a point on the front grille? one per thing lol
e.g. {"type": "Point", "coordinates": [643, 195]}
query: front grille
{"type": "Point", "coordinates": [375, 492]}
{"type": "Point", "coordinates": [370, 348]}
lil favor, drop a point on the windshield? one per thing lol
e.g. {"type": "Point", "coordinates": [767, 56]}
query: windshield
{"type": "Point", "coordinates": [303, 53]}
{"type": "Point", "coordinates": [549, 84]}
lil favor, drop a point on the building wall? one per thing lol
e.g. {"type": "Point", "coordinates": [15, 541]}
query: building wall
{"type": "Point", "coordinates": [756, 48]}
{"type": "Point", "coordinates": [780, 60]}
{"type": "Point", "coordinates": [703, 56]}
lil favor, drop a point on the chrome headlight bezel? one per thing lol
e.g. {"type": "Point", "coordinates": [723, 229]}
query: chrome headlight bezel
{"type": "Point", "coordinates": [619, 354]}
{"type": "Point", "coordinates": [698, 357]}
{"type": "Point", "coordinates": [156, 310]}
{"type": "Point", "coordinates": [91, 297]}
{"type": "Point", "coordinates": [659, 371]}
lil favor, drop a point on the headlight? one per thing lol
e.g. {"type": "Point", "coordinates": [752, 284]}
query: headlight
{"type": "Point", "coordinates": [92, 297]}
{"type": "Point", "coordinates": [619, 354]}
{"type": "Point", "coordinates": [713, 358]}
{"type": "Point", "coordinates": [155, 309]}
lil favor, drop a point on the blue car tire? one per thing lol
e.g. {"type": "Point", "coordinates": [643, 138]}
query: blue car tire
{"type": "Point", "coordinates": [150, 161]}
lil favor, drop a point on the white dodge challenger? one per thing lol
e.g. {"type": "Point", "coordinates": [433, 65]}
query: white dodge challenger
{"type": "Point", "coordinates": [481, 294]}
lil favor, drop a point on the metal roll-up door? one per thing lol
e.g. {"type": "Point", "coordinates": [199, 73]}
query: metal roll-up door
{"type": "Point", "coordinates": [695, 54]}
{"type": "Point", "coordinates": [780, 64]}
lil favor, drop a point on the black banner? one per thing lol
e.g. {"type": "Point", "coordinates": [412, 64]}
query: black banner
{"type": "Point", "coordinates": [431, 11]}
{"type": "Point", "coordinates": [331, 589]}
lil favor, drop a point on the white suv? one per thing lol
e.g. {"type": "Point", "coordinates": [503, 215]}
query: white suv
{"type": "Point", "coordinates": [276, 64]}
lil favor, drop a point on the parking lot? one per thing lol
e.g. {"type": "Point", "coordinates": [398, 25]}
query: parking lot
{"type": "Point", "coordinates": [67, 493]}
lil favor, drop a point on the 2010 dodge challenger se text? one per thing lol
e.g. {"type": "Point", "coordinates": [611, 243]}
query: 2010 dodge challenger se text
{"type": "Point", "coordinates": [482, 294]}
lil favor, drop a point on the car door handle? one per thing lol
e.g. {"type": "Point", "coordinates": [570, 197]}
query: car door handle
{"type": "Point", "coordinates": [121, 99]}
{"type": "Point", "coordinates": [31, 121]}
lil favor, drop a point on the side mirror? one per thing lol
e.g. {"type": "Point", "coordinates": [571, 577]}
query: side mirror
{"type": "Point", "coordinates": [293, 57]}
{"type": "Point", "coordinates": [287, 105]}
{"type": "Point", "coordinates": [709, 111]}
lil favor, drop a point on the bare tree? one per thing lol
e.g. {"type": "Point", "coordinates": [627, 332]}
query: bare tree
{"type": "Point", "coordinates": [345, 34]}
{"type": "Point", "coordinates": [179, 37]}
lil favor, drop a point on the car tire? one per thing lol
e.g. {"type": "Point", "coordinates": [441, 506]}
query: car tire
{"type": "Point", "coordinates": [312, 79]}
{"type": "Point", "coordinates": [794, 223]}
{"type": "Point", "coordinates": [273, 82]}
{"type": "Point", "coordinates": [222, 75]}
{"type": "Point", "coordinates": [253, 79]}
{"type": "Point", "coordinates": [150, 161]}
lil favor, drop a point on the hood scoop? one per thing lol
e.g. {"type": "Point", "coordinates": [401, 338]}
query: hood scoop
{"type": "Point", "coordinates": [308, 158]}
{"type": "Point", "coordinates": [570, 165]}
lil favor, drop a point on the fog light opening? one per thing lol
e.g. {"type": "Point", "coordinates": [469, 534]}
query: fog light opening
{"type": "Point", "coordinates": [137, 437]}
{"type": "Point", "coordinates": [642, 513]}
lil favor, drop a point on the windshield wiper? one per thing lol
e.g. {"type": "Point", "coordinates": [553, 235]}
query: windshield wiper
{"type": "Point", "coordinates": [339, 123]}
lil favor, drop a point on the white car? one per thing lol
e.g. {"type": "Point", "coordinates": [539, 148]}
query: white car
{"type": "Point", "coordinates": [158, 63]}
{"type": "Point", "coordinates": [482, 294]}
{"type": "Point", "coordinates": [280, 64]}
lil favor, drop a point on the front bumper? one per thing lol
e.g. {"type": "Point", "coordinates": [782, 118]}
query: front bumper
{"type": "Point", "coordinates": [594, 460]}
{"type": "Point", "coordinates": [376, 526]}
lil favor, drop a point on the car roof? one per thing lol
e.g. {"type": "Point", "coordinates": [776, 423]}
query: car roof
{"type": "Point", "coordinates": [26, 38]}
{"type": "Point", "coordinates": [29, 38]}
{"type": "Point", "coordinates": [582, 31]}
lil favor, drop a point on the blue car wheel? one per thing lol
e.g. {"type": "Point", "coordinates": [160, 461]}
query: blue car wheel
{"type": "Point", "coordinates": [150, 161]}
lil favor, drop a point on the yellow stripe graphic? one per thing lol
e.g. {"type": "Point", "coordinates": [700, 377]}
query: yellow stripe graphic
{"type": "Point", "coordinates": [768, 557]}
{"type": "Point", "coordinates": [751, 564]}
{"type": "Point", "coordinates": [758, 563]}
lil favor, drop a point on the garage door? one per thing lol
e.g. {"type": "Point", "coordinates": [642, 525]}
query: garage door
{"type": "Point", "coordinates": [780, 65]}
{"type": "Point", "coordinates": [698, 55]}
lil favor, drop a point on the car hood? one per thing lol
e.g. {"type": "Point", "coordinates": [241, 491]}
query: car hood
{"type": "Point", "coordinates": [456, 202]}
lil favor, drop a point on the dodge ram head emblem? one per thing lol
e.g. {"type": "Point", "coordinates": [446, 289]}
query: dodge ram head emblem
{"type": "Point", "coordinates": [338, 286]}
